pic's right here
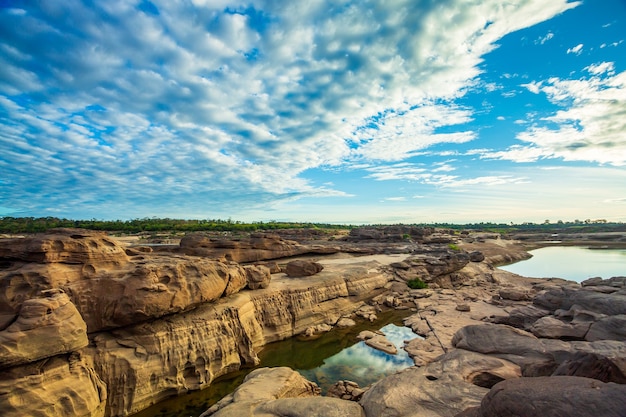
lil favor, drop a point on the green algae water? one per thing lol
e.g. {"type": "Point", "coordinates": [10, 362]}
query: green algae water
{"type": "Point", "coordinates": [572, 263]}
{"type": "Point", "coordinates": [332, 356]}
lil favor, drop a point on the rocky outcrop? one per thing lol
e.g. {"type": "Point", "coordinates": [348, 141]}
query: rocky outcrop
{"type": "Point", "coordinates": [443, 388]}
{"type": "Point", "coordinates": [65, 385]}
{"type": "Point", "coordinates": [256, 247]}
{"type": "Point", "coordinates": [279, 392]}
{"type": "Point", "coordinates": [158, 323]}
{"type": "Point", "coordinates": [552, 397]}
{"type": "Point", "coordinates": [302, 268]}
{"type": "Point", "coordinates": [389, 233]}
{"type": "Point", "coordinates": [45, 327]}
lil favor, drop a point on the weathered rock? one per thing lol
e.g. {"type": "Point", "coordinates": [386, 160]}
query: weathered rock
{"type": "Point", "coordinates": [537, 357]}
{"type": "Point", "coordinates": [608, 328]}
{"type": "Point", "coordinates": [346, 390]}
{"type": "Point", "coordinates": [345, 322]}
{"type": "Point", "coordinates": [553, 397]}
{"type": "Point", "coordinates": [476, 256]}
{"type": "Point", "coordinates": [442, 388]}
{"type": "Point", "coordinates": [380, 342]}
{"type": "Point", "coordinates": [552, 328]}
{"type": "Point", "coordinates": [302, 268]}
{"type": "Point", "coordinates": [280, 392]}
{"type": "Point", "coordinates": [258, 247]}
{"type": "Point", "coordinates": [45, 327]}
{"type": "Point", "coordinates": [64, 246]}
{"type": "Point", "coordinates": [593, 365]}
{"type": "Point", "coordinates": [515, 294]}
{"type": "Point", "coordinates": [59, 386]}
{"type": "Point", "coordinates": [564, 298]}
{"type": "Point", "coordinates": [258, 276]}
{"type": "Point", "coordinates": [521, 317]}
{"type": "Point", "coordinates": [463, 307]}
{"type": "Point", "coordinates": [152, 288]}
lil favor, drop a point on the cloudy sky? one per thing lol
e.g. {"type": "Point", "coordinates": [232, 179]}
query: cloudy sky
{"type": "Point", "coordinates": [374, 111]}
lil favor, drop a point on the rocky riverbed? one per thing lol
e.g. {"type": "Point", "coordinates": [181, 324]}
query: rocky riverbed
{"type": "Point", "coordinates": [93, 327]}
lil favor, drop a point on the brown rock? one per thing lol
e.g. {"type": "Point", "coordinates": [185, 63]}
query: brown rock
{"type": "Point", "coordinates": [302, 268]}
{"type": "Point", "coordinates": [608, 328]}
{"type": "Point", "coordinates": [258, 276]}
{"type": "Point", "coordinates": [45, 327]}
{"type": "Point", "coordinates": [58, 386]}
{"type": "Point", "coordinates": [257, 247]}
{"type": "Point", "coordinates": [261, 386]}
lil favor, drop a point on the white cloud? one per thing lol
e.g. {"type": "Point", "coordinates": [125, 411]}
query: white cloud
{"type": "Point", "coordinates": [544, 39]}
{"type": "Point", "coordinates": [576, 50]}
{"type": "Point", "coordinates": [590, 127]}
{"type": "Point", "coordinates": [233, 98]}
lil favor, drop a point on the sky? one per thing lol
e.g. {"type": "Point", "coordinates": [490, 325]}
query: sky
{"type": "Point", "coordinates": [373, 111]}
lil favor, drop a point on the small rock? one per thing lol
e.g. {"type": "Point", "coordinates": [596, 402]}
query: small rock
{"type": "Point", "coordinates": [345, 322]}
{"type": "Point", "coordinates": [463, 307]}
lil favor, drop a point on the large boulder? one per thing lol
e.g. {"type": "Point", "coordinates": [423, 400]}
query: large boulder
{"type": "Point", "coordinates": [455, 382]}
{"type": "Point", "coordinates": [46, 326]}
{"type": "Point", "coordinates": [564, 298]}
{"type": "Point", "coordinates": [301, 268]}
{"type": "Point", "coordinates": [552, 397]}
{"type": "Point", "coordinates": [268, 392]}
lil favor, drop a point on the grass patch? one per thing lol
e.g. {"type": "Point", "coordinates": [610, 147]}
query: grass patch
{"type": "Point", "coordinates": [417, 284]}
{"type": "Point", "coordinates": [452, 246]}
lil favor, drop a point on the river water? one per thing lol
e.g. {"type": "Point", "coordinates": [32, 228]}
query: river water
{"type": "Point", "coordinates": [335, 355]}
{"type": "Point", "coordinates": [572, 263]}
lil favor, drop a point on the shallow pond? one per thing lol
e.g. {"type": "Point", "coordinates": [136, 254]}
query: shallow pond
{"type": "Point", "coordinates": [572, 263]}
{"type": "Point", "coordinates": [335, 355]}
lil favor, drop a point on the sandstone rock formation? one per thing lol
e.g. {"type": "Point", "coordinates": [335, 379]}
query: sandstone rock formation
{"type": "Point", "coordinates": [65, 385]}
{"type": "Point", "coordinates": [302, 268]}
{"type": "Point", "coordinates": [257, 247]}
{"type": "Point", "coordinates": [279, 392]}
{"type": "Point", "coordinates": [46, 326]}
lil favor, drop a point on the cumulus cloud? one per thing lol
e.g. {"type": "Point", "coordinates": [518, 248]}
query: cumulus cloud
{"type": "Point", "coordinates": [120, 106]}
{"type": "Point", "coordinates": [590, 127]}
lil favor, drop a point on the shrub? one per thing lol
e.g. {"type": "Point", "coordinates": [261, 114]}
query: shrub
{"type": "Point", "coordinates": [417, 284]}
{"type": "Point", "coordinates": [453, 246]}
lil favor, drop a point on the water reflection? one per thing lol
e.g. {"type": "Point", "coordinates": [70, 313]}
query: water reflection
{"type": "Point", "coordinates": [294, 352]}
{"type": "Point", "coordinates": [361, 363]}
{"type": "Point", "coordinates": [571, 262]}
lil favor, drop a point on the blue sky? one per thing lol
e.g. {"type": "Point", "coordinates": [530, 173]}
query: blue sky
{"type": "Point", "coordinates": [328, 111]}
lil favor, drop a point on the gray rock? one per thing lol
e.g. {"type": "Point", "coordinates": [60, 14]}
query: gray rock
{"type": "Point", "coordinates": [564, 298]}
{"type": "Point", "coordinates": [556, 396]}
{"type": "Point", "coordinates": [608, 328]}
{"type": "Point", "coordinates": [443, 388]}
{"type": "Point", "coordinates": [552, 328]}
{"type": "Point", "coordinates": [593, 365]}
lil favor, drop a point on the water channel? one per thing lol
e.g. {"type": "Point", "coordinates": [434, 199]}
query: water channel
{"type": "Point", "coordinates": [335, 355]}
{"type": "Point", "coordinates": [572, 263]}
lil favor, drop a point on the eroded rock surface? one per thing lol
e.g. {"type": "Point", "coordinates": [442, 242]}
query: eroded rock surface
{"type": "Point", "coordinates": [280, 392]}
{"type": "Point", "coordinates": [45, 326]}
{"type": "Point", "coordinates": [552, 397]}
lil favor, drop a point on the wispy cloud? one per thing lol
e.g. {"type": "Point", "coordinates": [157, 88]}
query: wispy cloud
{"type": "Point", "coordinates": [590, 127]}
{"type": "Point", "coordinates": [126, 108]}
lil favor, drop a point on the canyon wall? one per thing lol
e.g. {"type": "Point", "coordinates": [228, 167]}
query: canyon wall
{"type": "Point", "coordinates": [89, 328]}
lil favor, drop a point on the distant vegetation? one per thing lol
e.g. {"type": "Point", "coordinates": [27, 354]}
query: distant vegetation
{"type": "Point", "coordinates": [154, 225]}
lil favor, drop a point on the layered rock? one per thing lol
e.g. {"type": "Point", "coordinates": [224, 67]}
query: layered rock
{"type": "Point", "coordinates": [65, 385]}
{"type": "Point", "coordinates": [45, 326]}
{"type": "Point", "coordinates": [256, 247]}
